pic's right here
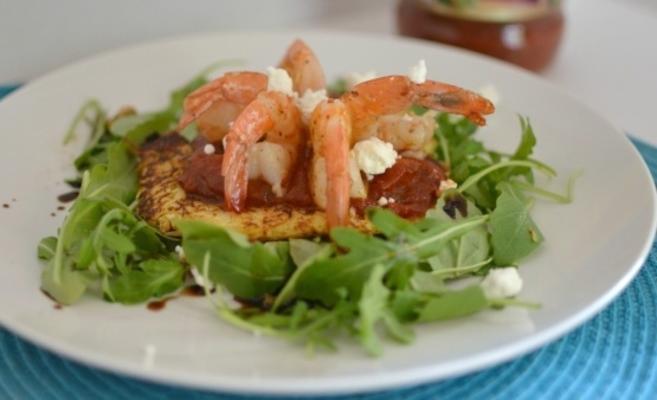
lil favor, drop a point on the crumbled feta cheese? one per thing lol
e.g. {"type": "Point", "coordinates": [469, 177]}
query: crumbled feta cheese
{"type": "Point", "coordinates": [179, 250]}
{"type": "Point", "coordinates": [355, 78]}
{"type": "Point", "coordinates": [490, 92]}
{"type": "Point", "coordinates": [384, 201]}
{"type": "Point", "coordinates": [309, 101]}
{"type": "Point", "coordinates": [198, 278]}
{"type": "Point", "coordinates": [418, 72]}
{"type": "Point", "coordinates": [501, 283]}
{"type": "Point", "coordinates": [374, 156]}
{"type": "Point", "coordinates": [279, 81]}
{"type": "Point", "coordinates": [447, 185]}
{"type": "Point", "coordinates": [208, 149]}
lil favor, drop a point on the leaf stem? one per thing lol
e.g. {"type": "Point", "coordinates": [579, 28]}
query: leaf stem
{"type": "Point", "coordinates": [458, 271]}
{"type": "Point", "coordinates": [505, 164]}
{"type": "Point", "coordinates": [503, 302]}
{"type": "Point", "coordinates": [559, 198]}
{"type": "Point", "coordinates": [91, 104]}
{"type": "Point", "coordinates": [444, 147]}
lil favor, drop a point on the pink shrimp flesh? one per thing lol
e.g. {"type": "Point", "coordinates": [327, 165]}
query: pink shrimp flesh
{"type": "Point", "coordinates": [273, 116]}
{"type": "Point", "coordinates": [330, 129]}
{"type": "Point", "coordinates": [304, 67]}
{"type": "Point", "coordinates": [230, 92]}
{"type": "Point", "coordinates": [397, 93]}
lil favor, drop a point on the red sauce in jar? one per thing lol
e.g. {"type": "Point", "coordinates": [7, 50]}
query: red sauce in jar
{"type": "Point", "coordinates": [524, 32]}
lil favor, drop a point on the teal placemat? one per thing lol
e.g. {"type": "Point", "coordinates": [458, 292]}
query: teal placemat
{"type": "Point", "coordinates": [612, 356]}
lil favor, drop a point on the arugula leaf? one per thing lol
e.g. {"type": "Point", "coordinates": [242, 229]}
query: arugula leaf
{"type": "Point", "coordinates": [93, 114]}
{"type": "Point", "coordinates": [116, 180]}
{"type": "Point", "coordinates": [134, 129]}
{"type": "Point", "coordinates": [514, 235]}
{"type": "Point", "coordinates": [471, 248]}
{"type": "Point", "coordinates": [453, 304]}
{"type": "Point", "coordinates": [523, 151]}
{"type": "Point", "coordinates": [373, 307]}
{"type": "Point", "coordinates": [338, 87]}
{"type": "Point", "coordinates": [153, 278]}
{"type": "Point", "coordinates": [246, 270]}
{"type": "Point", "coordinates": [65, 286]}
{"type": "Point", "coordinates": [46, 248]}
{"type": "Point", "coordinates": [303, 253]}
{"type": "Point", "coordinates": [322, 279]}
{"type": "Point", "coordinates": [428, 282]}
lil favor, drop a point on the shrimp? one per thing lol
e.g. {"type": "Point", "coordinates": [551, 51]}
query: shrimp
{"type": "Point", "coordinates": [396, 93]}
{"type": "Point", "coordinates": [408, 133]}
{"type": "Point", "coordinates": [337, 124]}
{"type": "Point", "coordinates": [216, 104]}
{"type": "Point", "coordinates": [275, 117]}
{"type": "Point", "coordinates": [304, 67]}
{"type": "Point", "coordinates": [330, 130]}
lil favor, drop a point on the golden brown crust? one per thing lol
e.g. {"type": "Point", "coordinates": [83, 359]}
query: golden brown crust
{"type": "Point", "coordinates": [161, 201]}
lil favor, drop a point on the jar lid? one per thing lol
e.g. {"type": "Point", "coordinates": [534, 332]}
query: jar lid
{"type": "Point", "coordinates": [492, 10]}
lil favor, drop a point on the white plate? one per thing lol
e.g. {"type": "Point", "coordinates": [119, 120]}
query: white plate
{"type": "Point", "coordinates": [593, 249]}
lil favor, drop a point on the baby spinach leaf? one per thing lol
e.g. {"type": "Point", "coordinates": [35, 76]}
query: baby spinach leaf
{"type": "Point", "coordinates": [514, 235]}
{"type": "Point", "coordinates": [453, 304]}
{"type": "Point", "coordinates": [246, 270]}
{"type": "Point", "coordinates": [153, 278]}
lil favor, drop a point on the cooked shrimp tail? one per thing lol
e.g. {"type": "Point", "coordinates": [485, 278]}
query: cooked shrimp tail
{"type": "Point", "coordinates": [224, 97]}
{"type": "Point", "coordinates": [396, 93]}
{"type": "Point", "coordinates": [304, 67]}
{"type": "Point", "coordinates": [453, 99]}
{"type": "Point", "coordinates": [330, 134]}
{"type": "Point", "coordinates": [273, 116]}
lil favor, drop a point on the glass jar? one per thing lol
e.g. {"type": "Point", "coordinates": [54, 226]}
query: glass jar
{"type": "Point", "coordinates": [524, 32]}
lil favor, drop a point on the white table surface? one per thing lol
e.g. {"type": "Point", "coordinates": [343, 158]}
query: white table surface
{"type": "Point", "coordinates": [608, 58]}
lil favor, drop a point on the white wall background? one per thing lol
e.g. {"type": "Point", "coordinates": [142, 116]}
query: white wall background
{"type": "Point", "coordinates": [38, 35]}
{"type": "Point", "coordinates": [608, 59]}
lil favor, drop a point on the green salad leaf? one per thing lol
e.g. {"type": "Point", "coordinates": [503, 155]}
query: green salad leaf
{"type": "Point", "coordinates": [467, 250]}
{"type": "Point", "coordinates": [453, 304]}
{"type": "Point", "coordinates": [322, 280]}
{"type": "Point", "coordinates": [368, 287]}
{"type": "Point", "coordinates": [248, 270]}
{"type": "Point", "coordinates": [152, 278]}
{"type": "Point", "coordinates": [514, 235]}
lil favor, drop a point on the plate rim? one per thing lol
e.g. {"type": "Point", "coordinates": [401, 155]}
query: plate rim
{"type": "Point", "coordinates": [371, 382]}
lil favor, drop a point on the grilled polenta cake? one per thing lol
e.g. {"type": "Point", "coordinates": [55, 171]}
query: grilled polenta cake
{"type": "Point", "coordinates": [162, 200]}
